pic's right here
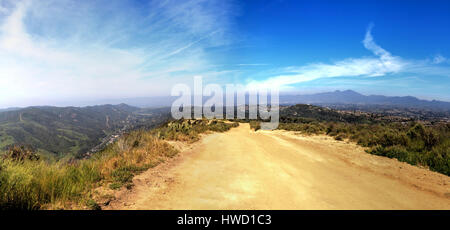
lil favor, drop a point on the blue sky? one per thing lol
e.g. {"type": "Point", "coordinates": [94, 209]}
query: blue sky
{"type": "Point", "coordinates": [61, 51]}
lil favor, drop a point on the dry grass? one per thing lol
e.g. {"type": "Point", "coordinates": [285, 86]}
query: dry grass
{"type": "Point", "coordinates": [412, 142]}
{"type": "Point", "coordinates": [37, 184]}
{"type": "Point", "coordinates": [189, 130]}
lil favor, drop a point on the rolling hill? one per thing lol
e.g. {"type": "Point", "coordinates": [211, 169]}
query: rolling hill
{"type": "Point", "coordinates": [351, 97]}
{"type": "Point", "coordinates": [305, 113]}
{"type": "Point", "coordinates": [60, 131]}
{"type": "Point", "coordinates": [338, 97]}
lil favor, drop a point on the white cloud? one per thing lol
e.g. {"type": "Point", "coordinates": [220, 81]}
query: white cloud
{"type": "Point", "coordinates": [382, 64]}
{"type": "Point", "coordinates": [67, 50]}
{"type": "Point", "coordinates": [438, 59]}
{"type": "Point", "coordinates": [252, 64]}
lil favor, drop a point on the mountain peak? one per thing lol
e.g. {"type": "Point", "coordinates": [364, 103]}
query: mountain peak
{"type": "Point", "coordinates": [348, 92]}
{"type": "Point", "coordinates": [352, 97]}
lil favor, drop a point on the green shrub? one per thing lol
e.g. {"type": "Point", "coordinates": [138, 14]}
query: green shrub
{"type": "Point", "coordinates": [33, 184]}
{"type": "Point", "coordinates": [91, 204]}
{"type": "Point", "coordinates": [189, 130]}
{"type": "Point", "coordinates": [28, 183]}
{"type": "Point", "coordinates": [413, 143]}
{"type": "Point", "coordinates": [339, 137]}
{"type": "Point", "coordinates": [115, 185]}
{"type": "Point", "coordinates": [21, 153]}
{"type": "Point", "coordinates": [122, 175]}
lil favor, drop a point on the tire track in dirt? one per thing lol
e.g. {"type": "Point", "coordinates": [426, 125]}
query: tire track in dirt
{"type": "Point", "coordinates": [243, 169]}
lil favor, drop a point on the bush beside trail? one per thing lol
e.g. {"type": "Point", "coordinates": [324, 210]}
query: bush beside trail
{"type": "Point", "coordinates": [28, 182]}
{"type": "Point", "coordinates": [411, 142]}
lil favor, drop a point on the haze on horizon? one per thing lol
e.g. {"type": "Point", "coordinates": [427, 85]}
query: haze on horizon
{"type": "Point", "coordinates": [63, 51]}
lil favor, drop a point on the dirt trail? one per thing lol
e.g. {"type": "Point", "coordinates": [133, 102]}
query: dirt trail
{"type": "Point", "coordinates": [243, 169]}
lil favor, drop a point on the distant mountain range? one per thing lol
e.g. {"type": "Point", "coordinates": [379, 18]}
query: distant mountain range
{"type": "Point", "coordinates": [352, 97]}
{"type": "Point", "coordinates": [346, 97]}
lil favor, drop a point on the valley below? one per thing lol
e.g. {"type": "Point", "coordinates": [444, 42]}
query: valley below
{"type": "Point", "coordinates": [244, 169]}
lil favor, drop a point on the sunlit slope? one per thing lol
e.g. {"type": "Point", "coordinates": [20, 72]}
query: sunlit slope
{"type": "Point", "coordinates": [243, 169]}
{"type": "Point", "coordinates": [63, 130]}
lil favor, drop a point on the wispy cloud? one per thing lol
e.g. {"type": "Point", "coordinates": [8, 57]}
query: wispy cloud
{"type": "Point", "coordinates": [77, 50]}
{"type": "Point", "coordinates": [252, 64]}
{"type": "Point", "coordinates": [438, 59]}
{"type": "Point", "coordinates": [69, 49]}
{"type": "Point", "coordinates": [382, 63]}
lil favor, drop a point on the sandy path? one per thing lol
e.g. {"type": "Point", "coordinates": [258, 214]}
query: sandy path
{"type": "Point", "coordinates": [242, 169]}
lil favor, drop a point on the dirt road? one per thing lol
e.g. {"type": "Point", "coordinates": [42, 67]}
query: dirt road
{"type": "Point", "coordinates": [243, 169]}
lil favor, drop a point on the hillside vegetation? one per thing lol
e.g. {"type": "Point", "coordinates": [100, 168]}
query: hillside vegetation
{"type": "Point", "coordinates": [309, 113]}
{"type": "Point", "coordinates": [28, 182]}
{"type": "Point", "coordinates": [189, 130]}
{"type": "Point", "coordinates": [411, 142]}
{"type": "Point", "coordinates": [66, 131]}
